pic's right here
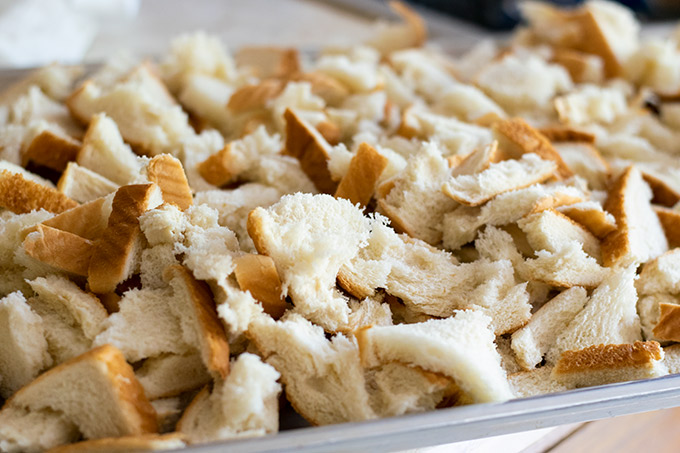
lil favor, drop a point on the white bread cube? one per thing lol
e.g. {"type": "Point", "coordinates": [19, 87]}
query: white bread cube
{"type": "Point", "coordinates": [83, 184]}
{"type": "Point", "coordinates": [460, 347]}
{"type": "Point", "coordinates": [245, 404]}
{"type": "Point", "coordinates": [24, 349]}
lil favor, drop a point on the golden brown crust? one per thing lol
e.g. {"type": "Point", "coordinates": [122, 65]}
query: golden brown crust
{"type": "Point", "coordinates": [21, 196]}
{"type": "Point", "coordinates": [308, 146]}
{"type": "Point", "coordinates": [609, 357]}
{"type": "Point", "coordinates": [365, 169]}
{"type": "Point", "coordinates": [114, 251]}
{"type": "Point", "coordinates": [324, 86]}
{"type": "Point", "coordinates": [594, 41]}
{"type": "Point", "coordinates": [60, 249]}
{"type": "Point", "coordinates": [216, 169]}
{"type": "Point", "coordinates": [668, 327]}
{"type": "Point", "coordinates": [488, 119]}
{"type": "Point", "coordinates": [133, 444]}
{"type": "Point", "coordinates": [87, 220]}
{"type": "Point", "coordinates": [253, 97]}
{"type": "Point", "coordinates": [330, 132]}
{"type": "Point", "coordinates": [663, 194]}
{"type": "Point", "coordinates": [215, 350]}
{"type": "Point", "coordinates": [254, 227]}
{"type": "Point", "coordinates": [616, 244]}
{"type": "Point", "coordinates": [415, 23]}
{"type": "Point", "coordinates": [167, 171]}
{"type": "Point", "coordinates": [557, 134]}
{"type": "Point", "coordinates": [51, 150]}
{"type": "Point", "coordinates": [405, 129]}
{"type": "Point", "coordinates": [518, 138]}
{"type": "Point", "coordinates": [71, 104]}
{"type": "Point", "coordinates": [576, 63]}
{"type": "Point", "coordinates": [194, 405]}
{"type": "Point", "coordinates": [258, 274]}
{"type": "Point", "coordinates": [593, 220]}
{"type": "Point", "coordinates": [350, 285]}
{"type": "Point", "coordinates": [670, 222]}
{"type": "Point", "coordinates": [269, 61]}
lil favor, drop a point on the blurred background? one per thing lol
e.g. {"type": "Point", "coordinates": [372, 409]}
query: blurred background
{"type": "Point", "coordinates": [37, 32]}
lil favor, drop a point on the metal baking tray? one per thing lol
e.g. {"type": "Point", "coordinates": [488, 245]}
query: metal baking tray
{"type": "Point", "coordinates": [461, 423]}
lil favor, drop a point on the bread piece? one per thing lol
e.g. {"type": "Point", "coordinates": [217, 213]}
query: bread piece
{"type": "Point", "coordinates": [475, 162]}
{"type": "Point", "coordinates": [609, 317]}
{"type": "Point", "coordinates": [98, 394]}
{"type": "Point", "coordinates": [293, 232]}
{"type": "Point", "coordinates": [147, 116]}
{"type": "Point", "coordinates": [668, 326]}
{"type": "Point", "coordinates": [473, 190]}
{"type": "Point", "coordinates": [582, 67]}
{"type": "Point", "coordinates": [410, 32]}
{"type": "Point", "coordinates": [461, 225]}
{"type": "Point", "coordinates": [255, 96]}
{"type": "Point", "coordinates": [534, 340]}
{"type": "Point", "coordinates": [60, 249]}
{"type": "Point", "coordinates": [323, 378]}
{"type": "Point", "coordinates": [144, 326]}
{"type": "Point", "coordinates": [415, 203]}
{"type": "Point", "coordinates": [169, 411]}
{"type": "Point", "coordinates": [670, 222]}
{"type": "Point", "coordinates": [460, 347]}
{"type": "Point", "coordinates": [585, 161]}
{"type": "Point", "coordinates": [84, 185]}
{"type": "Point", "coordinates": [244, 404]}
{"type": "Point", "coordinates": [88, 220]}
{"type": "Point", "coordinates": [517, 138]}
{"type": "Point", "coordinates": [358, 184]}
{"type": "Point", "coordinates": [661, 275]}
{"type": "Point", "coordinates": [537, 381]}
{"type": "Point", "coordinates": [257, 274]}
{"type": "Point", "coordinates": [218, 168]}
{"type": "Point", "coordinates": [640, 236]}
{"type": "Point", "coordinates": [198, 319]}
{"type": "Point", "coordinates": [672, 358]}
{"type": "Point", "coordinates": [133, 444]}
{"type": "Point", "coordinates": [24, 349]}
{"type": "Point", "coordinates": [167, 172]}
{"type": "Point", "coordinates": [649, 309]}
{"type": "Point", "coordinates": [14, 168]}
{"type": "Point", "coordinates": [105, 153]}
{"type": "Point", "coordinates": [308, 146]}
{"type": "Point", "coordinates": [605, 364]}
{"type": "Point", "coordinates": [590, 215]}
{"type": "Point", "coordinates": [52, 150]}
{"type": "Point", "coordinates": [21, 195]}
{"type": "Point", "coordinates": [568, 266]}
{"type": "Point", "coordinates": [33, 431]}
{"type": "Point", "coordinates": [72, 318]}
{"type": "Point", "coordinates": [172, 374]}
{"type": "Point", "coordinates": [591, 104]}
{"type": "Point", "coordinates": [561, 134]}
{"type": "Point", "coordinates": [265, 62]}
{"type": "Point", "coordinates": [116, 252]}
{"type": "Point", "coordinates": [664, 194]}
{"type": "Point", "coordinates": [154, 260]}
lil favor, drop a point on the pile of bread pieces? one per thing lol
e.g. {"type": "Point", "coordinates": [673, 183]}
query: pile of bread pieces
{"type": "Point", "coordinates": [189, 245]}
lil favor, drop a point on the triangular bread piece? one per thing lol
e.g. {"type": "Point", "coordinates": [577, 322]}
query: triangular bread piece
{"type": "Point", "coordinates": [88, 220]}
{"type": "Point", "coordinates": [84, 185]}
{"type": "Point", "coordinates": [257, 274]}
{"type": "Point", "coordinates": [365, 168]}
{"type": "Point", "coordinates": [60, 249]}
{"type": "Point", "coordinates": [21, 195]}
{"type": "Point", "coordinates": [52, 150]}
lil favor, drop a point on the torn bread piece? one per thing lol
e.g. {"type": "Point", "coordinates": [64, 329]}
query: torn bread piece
{"type": "Point", "coordinates": [105, 153]}
{"type": "Point", "coordinates": [591, 104]}
{"type": "Point", "coordinates": [171, 374]}
{"type": "Point", "coordinates": [473, 190]}
{"type": "Point", "coordinates": [413, 200]}
{"type": "Point", "coordinates": [115, 253]}
{"type": "Point", "coordinates": [132, 444]}
{"type": "Point", "coordinates": [585, 161]}
{"type": "Point", "coordinates": [306, 144]}
{"type": "Point", "coordinates": [21, 195]}
{"type": "Point", "coordinates": [24, 353]}
{"type": "Point", "coordinates": [532, 342]}
{"type": "Point", "coordinates": [115, 404]}
{"type": "Point", "coordinates": [268, 61]}
{"type": "Point", "coordinates": [52, 149]}
{"type": "Point", "coordinates": [411, 32]}
{"type": "Point", "coordinates": [517, 138]}
{"type": "Point", "coordinates": [664, 193]}
{"type": "Point", "coordinates": [365, 168]}
{"type": "Point", "coordinates": [537, 381]}
{"type": "Point", "coordinates": [60, 249]}
{"type": "Point", "coordinates": [566, 134]}
{"type": "Point", "coordinates": [167, 172]}
{"type": "Point", "coordinates": [15, 168]}
{"type": "Point", "coordinates": [71, 316]}
{"type": "Point", "coordinates": [609, 317]}
{"type": "Point", "coordinates": [566, 267]}
{"type": "Point", "coordinates": [258, 274]}
{"type": "Point", "coordinates": [243, 404]}
{"type": "Point", "coordinates": [592, 216]}
{"type": "Point", "coordinates": [83, 185]}
{"type": "Point", "coordinates": [661, 275]}
{"type": "Point", "coordinates": [459, 347]}
{"type": "Point", "coordinates": [582, 67]}
{"type": "Point", "coordinates": [640, 236]}
{"type": "Point", "coordinates": [293, 232]}
{"type": "Point", "coordinates": [608, 363]}
{"type": "Point", "coordinates": [475, 162]}
{"type": "Point", "coordinates": [670, 222]}
{"type": "Point", "coordinates": [88, 220]}
{"type": "Point", "coordinates": [649, 309]}
{"type": "Point", "coordinates": [672, 358]}
{"type": "Point", "coordinates": [668, 326]}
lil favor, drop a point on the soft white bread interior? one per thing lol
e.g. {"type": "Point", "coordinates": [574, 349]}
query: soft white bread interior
{"type": "Point", "coordinates": [24, 348]}
{"type": "Point", "coordinates": [98, 393]}
{"type": "Point", "coordinates": [83, 185]}
{"type": "Point", "coordinates": [661, 275]}
{"type": "Point", "coordinates": [244, 404]}
{"type": "Point", "coordinates": [537, 381]}
{"type": "Point", "coordinates": [171, 374]}
{"type": "Point", "coordinates": [461, 347]}
{"type": "Point", "coordinates": [591, 215]}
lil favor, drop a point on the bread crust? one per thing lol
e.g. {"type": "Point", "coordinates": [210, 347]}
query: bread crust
{"type": "Point", "coordinates": [87, 220]}
{"type": "Point", "coordinates": [52, 150]}
{"type": "Point", "coordinates": [616, 244]}
{"type": "Point", "coordinates": [139, 443]}
{"type": "Point", "coordinates": [670, 222]}
{"type": "Point", "coordinates": [167, 171]}
{"type": "Point", "coordinates": [668, 326]}
{"type": "Point", "coordinates": [558, 134]}
{"type": "Point", "coordinates": [214, 347]}
{"type": "Point", "coordinates": [61, 249]}
{"type": "Point", "coordinates": [663, 193]}
{"type": "Point", "coordinates": [365, 168]}
{"type": "Point", "coordinates": [307, 145]}
{"type": "Point", "coordinates": [255, 97]}
{"type": "Point", "coordinates": [324, 86]}
{"type": "Point", "coordinates": [22, 196]}
{"type": "Point", "coordinates": [575, 62]}
{"type": "Point", "coordinates": [114, 252]}
{"type": "Point", "coordinates": [216, 169]}
{"type": "Point", "coordinates": [609, 357]}
{"type": "Point", "coordinates": [258, 274]}
{"type": "Point", "coordinates": [519, 138]}
{"type": "Point", "coordinates": [594, 41]}
{"type": "Point", "coordinates": [594, 221]}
